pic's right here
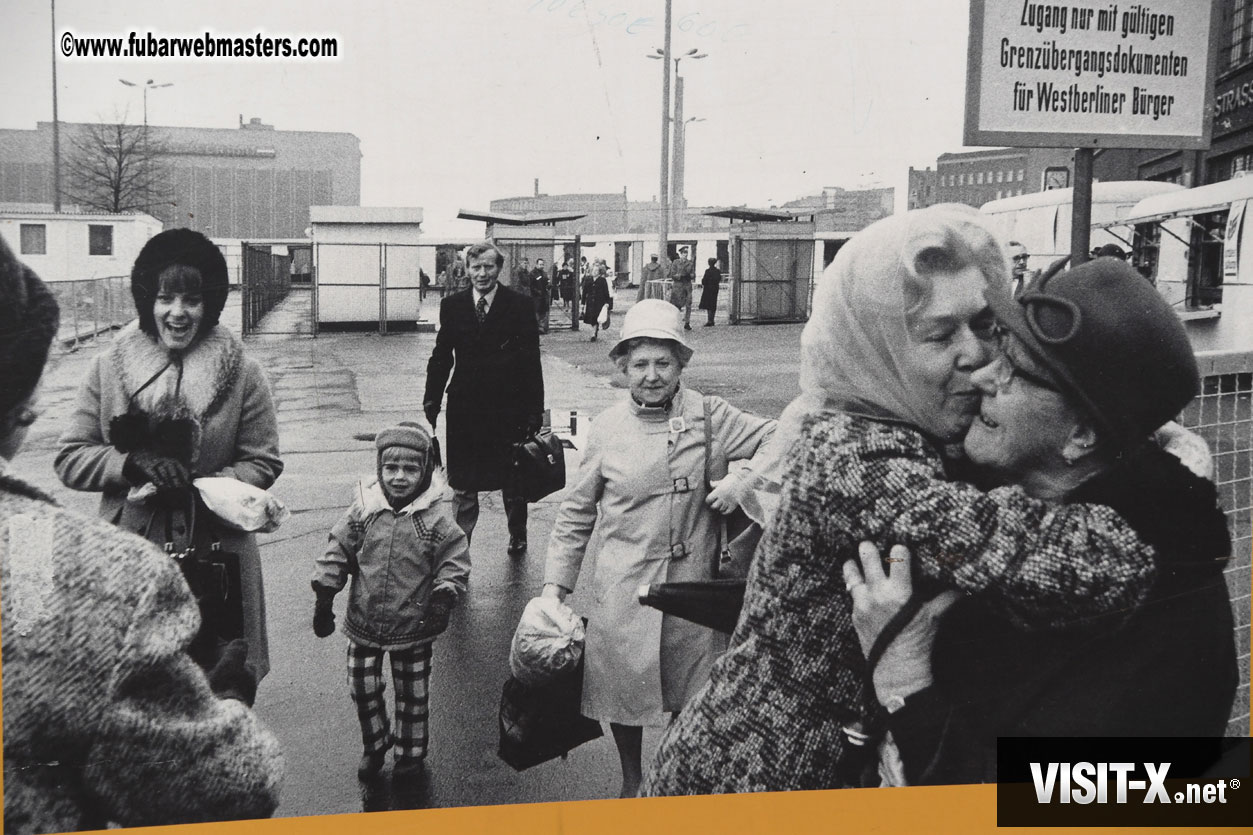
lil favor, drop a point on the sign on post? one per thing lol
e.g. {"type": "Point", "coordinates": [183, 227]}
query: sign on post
{"type": "Point", "coordinates": [1091, 74]}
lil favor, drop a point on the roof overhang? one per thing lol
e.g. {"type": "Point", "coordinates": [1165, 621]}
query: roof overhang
{"type": "Point", "coordinates": [756, 215]}
{"type": "Point", "coordinates": [506, 219]}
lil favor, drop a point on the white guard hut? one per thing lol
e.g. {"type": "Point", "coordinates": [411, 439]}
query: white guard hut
{"type": "Point", "coordinates": [366, 267]}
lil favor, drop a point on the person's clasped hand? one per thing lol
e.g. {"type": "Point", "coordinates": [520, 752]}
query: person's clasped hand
{"type": "Point", "coordinates": [905, 666]}
{"type": "Point", "coordinates": [145, 466]}
{"type": "Point", "coordinates": [727, 494]}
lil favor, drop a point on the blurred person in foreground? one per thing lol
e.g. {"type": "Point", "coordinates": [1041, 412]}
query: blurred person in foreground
{"type": "Point", "coordinates": [107, 720]}
{"type": "Point", "coordinates": [1094, 361]}
{"type": "Point", "coordinates": [901, 325]}
{"type": "Point", "coordinates": [641, 497]}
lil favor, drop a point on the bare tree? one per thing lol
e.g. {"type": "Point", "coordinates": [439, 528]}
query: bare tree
{"type": "Point", "coordinates": [116, 167]}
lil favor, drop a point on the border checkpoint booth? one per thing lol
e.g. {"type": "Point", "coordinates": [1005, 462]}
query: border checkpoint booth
{"type": "Point", "coordinates": [367, 266]}
{"type": "Point", "coordinates": [531, 236]}
{"type": "Point", "coordinates": [772, 265]}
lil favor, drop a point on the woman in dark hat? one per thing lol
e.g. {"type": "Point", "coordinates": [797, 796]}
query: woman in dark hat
{"type": "Point", "coordinates": [1094, 361]}
{"type": "Point", "coordinates": [172, 399]}
{"type": "Point", "coordinates": [106, 719]}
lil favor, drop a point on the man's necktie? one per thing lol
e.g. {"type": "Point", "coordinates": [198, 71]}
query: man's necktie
{"type": "Point", "coordinates": [481, 309]}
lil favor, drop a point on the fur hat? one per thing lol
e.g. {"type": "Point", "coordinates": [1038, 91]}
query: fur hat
{"type": "Point", "coordinates": [179, 247]}
{"type": "Point", "coordinates": [29, 317]}
{"type": "Point", "coordinates": [1111, 341]}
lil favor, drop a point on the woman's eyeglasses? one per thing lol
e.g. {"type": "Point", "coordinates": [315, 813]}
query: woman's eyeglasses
{"type": "Point", "coordinates": [1006, 369]}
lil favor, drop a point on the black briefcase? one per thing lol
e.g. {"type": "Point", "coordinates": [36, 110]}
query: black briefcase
{"type": "Point", "coordinates": [539, 466]}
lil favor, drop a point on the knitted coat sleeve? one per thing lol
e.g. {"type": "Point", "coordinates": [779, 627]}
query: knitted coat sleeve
{"type": "Point", "coordinates": [1039, 564]}
{"type": "Point", "coordinates": [165, 749]}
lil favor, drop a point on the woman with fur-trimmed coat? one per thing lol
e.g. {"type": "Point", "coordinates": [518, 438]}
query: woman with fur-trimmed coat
{"type": "Point", "coordinates": [172, 399]}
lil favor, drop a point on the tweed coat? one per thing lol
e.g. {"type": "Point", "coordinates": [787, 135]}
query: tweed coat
{"type": "Point", "coordinates": [1168, 668]}
{"type": "Point", "coordinates": [227, 395]}
{"type": "Point", "coordinates": [626, 508]}
{"type": "Point", "coordinates": [770, 718]}
{"type": "Point", "coordinates": [106, 718]}
{"type": "Point", "coordinates": [497, 385]}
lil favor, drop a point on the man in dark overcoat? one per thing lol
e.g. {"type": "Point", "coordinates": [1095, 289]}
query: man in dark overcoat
{"type": "Point", "coordinates": [489, 341]}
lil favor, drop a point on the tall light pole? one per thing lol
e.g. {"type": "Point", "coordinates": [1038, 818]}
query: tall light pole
{"type": "Point", "coordinates": [147, 85]}
{"type": "Point", "coordinates": [56, 123]}
{"type": "Point", "coordinates": [675, 190]}
{"type": "Point", "coordinates": [664, 196]}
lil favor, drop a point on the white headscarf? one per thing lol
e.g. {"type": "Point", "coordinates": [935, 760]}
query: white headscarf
{"type": "Point", "coordinates": [853, 348]}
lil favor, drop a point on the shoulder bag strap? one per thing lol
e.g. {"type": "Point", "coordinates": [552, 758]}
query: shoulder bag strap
{"type": "Point", "coordinates": [721, 553]}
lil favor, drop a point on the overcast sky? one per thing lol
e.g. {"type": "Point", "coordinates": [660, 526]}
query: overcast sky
{"type": "Point", "coordinates": [457, 103]}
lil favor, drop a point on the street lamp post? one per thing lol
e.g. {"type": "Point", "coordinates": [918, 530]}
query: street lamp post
{"type": "Point", "coordinates": [146, 86]}
{"type": "Point", "coordinates": [667, 185]}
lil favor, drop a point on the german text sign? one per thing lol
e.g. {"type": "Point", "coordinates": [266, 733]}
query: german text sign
{"type": "Point", "coordinates": [1086, 73]}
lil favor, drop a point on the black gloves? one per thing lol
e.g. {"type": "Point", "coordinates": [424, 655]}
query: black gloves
{"type": "Point", "coordinates": [166, 474]}
{"type": "Point", "coordinates": [323, 616]}
{"type": "Point", "coordinates": [534, 423]}
{"type": "Point", "coordinates": [231, 678]}
{"type": "Point", "coordinates": [432, 415]}
{"type": "Point", "coordinates": [438, 609]}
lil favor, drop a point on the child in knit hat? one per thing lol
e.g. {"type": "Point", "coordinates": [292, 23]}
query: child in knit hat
{"type": "Point", "coordinates": [409, 562]}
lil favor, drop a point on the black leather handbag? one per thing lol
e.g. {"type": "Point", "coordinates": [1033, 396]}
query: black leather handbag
{"type": "Point", "coordinates": [539, 466]}
{"type": "Point", "coordinates": [213, 574]}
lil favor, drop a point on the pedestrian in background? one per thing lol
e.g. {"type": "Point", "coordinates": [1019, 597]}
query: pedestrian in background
{"type": "Point", "coordinates": [682, 276]}
{"type": "Point", "coordinates": [596, 296]}
{"type": "Point", "coordinates": [409, 563]}
{"type": "Point", "coordinates": [543, 296]}
{"type": "Point", "coordinates": [1020, 276]}
{"type": "Point", "coordinates": [496, 396]}
{"type": "Point", "coordinates": [565, 283]}
{"type": "Point", "coordinates": [107, 720]}
{"type": "Point", "coordinates": [709, 284]}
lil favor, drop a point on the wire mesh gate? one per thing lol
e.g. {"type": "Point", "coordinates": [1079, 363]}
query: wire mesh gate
{"type": "Point", "coordinates": [265, 282]}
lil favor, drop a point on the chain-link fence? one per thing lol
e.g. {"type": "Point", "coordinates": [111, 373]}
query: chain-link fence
{"type": "Point", "coordinates": [1223, 416]}
{"type": "Point", "coordinates": [266, 282]}
{"type": "Point", "coordinates": [92, 306]}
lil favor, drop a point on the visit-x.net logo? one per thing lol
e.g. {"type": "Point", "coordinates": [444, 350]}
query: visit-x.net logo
{"type": "Point", "coordinates": [1124, 781]}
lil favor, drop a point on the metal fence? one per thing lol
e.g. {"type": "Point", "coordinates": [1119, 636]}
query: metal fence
{"type": "Point", "coordinates": [266, 282]}
{"type": "Point", "coordinates": [1223, 415]}
{"type": "Point", "coordinates": [92, 306]}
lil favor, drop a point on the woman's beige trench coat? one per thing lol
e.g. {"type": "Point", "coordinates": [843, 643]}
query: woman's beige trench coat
{"type": "Point", "coordinates": [638, 504]}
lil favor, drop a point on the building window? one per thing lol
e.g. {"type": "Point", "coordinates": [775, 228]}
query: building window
{"type": "Point", "coordinates": [1205, 261]}
{"type": "Point", "coordinates": [34, 239]}
{"type": "Point", "coordinates": [1021, 171]}
{"type": "Point", "coordinates": [99, 240]}
{"type": "Point", "coordinates": [1000, 176]}
{"type": "Point", "coordinates": [1240, 164]}
{"type": "Point", "coordinates": [1239, 28]}
{"type": "Point", "coordinates": [961, 179]}
{"type": "Point", "coordinates": [979, 178]}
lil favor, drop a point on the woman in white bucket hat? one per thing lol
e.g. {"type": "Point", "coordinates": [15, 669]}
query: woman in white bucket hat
{"type": "Point", "coordinates": [642, 489]}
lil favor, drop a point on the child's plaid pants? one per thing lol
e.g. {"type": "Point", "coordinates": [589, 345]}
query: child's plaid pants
{"type": "Point", "coordinates": [411, 673]}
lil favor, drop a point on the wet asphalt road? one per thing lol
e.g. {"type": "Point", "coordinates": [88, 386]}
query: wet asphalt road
{"type": "Point", "coordinates": [334, 388]}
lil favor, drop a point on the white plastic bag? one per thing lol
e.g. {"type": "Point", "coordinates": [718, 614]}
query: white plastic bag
{"type": "Point", "coordinates": [602, 318]}
{"type": "Point", "coordinates": [549, 639]}
{"type": "Point", "coordinates": [241, 506]}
